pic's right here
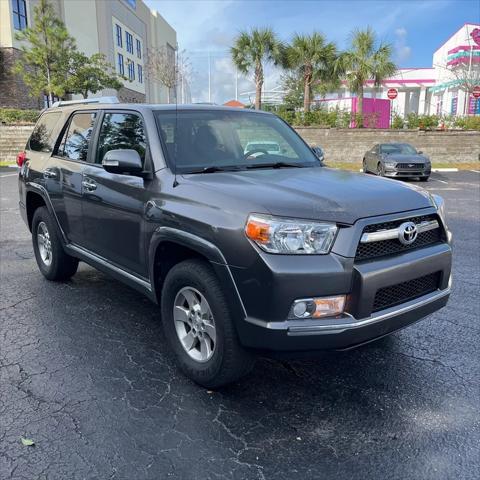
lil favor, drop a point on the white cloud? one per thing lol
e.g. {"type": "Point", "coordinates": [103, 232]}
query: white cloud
{"type": "Point", "coordinates": [402, 50]}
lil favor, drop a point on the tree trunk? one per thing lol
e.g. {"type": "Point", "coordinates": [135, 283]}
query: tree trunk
{"type": "Point", "coordinates": [307, 91]}
{"type": "Point", "coordinates": [258, 86]}
{"type": "Point", "coordinates": [360, 108]}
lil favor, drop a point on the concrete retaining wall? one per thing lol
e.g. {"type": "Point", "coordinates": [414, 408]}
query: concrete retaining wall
{"type": "Point", "coordinates": [344, 145]}
{"type": "Point", "coordinates": [339, 145]}
{"type": "Point", "coordinates": [12, 141]}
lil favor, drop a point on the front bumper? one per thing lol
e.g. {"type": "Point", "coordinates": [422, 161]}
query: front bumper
{"type": "Point", "coordinates": [408, 172]}
{"type": "Point", "coordinates": [268, 295]}
{"type": "Point", "coordinates": [340, 333]}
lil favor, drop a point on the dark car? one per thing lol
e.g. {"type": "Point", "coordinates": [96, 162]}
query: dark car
{"type": "Point", "coordinates": [397, 160]}
{"type": "Point", "coordinates": [244, 251]}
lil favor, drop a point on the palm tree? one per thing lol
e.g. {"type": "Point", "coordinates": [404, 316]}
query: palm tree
{"type": "Point", "coordinates": [365, 60]}
{"type": "Point", "coordinates": [251, 51]}
{"type": "Point", "coordinates": [315, 59]}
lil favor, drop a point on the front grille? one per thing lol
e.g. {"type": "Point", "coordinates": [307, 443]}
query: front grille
{"type": "Point", "coordinates": [408, 166]}
{"type": "Point", "coordinates": [391, 247]}
{"type": "Point", "coordinates": [404, 292]}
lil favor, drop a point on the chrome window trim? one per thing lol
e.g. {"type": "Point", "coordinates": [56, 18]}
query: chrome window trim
{"type": "Point", "coordinates": [393, 233]}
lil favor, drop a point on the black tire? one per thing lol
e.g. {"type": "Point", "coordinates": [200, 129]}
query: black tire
{"type": "Point", "coordinates": [229, 361]}
{"type": "Point", "coordinates": [59, 266]}
{"type": "Point", "coordinates": [424, 179]}
{"type": "Point", "coordinates": [365, 169]}
{"type": "Point", "coordinates": [380, 170]}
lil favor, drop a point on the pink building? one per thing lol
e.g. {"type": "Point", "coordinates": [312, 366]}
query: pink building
{"type": "Point", "coordinates": [438, 89]}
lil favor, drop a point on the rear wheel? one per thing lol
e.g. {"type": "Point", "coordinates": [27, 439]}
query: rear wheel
{"type": "Point", "coordinates": [52, 260]}
{"type": "Point", "coordinates": [380, 170]}
{"type": "Point", "coordinates": [199, 327]}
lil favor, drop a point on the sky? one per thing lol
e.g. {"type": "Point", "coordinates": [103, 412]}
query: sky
{"type": "Point", "coordinates": [415, 28]}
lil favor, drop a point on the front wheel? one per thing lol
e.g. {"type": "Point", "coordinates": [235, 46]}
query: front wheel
{"type": "Point", "coordinates": [380, 170]}
{"type": "Point", "coordinates": [52, 260]}
{"type": "Point", "coordinates": [199, 327]}
{"type": "Point", "coordinates": [424, 179]}
{"type": "Point", "coordinates": [365, 169]}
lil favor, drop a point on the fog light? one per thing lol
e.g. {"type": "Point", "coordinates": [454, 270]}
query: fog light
{"type": "Point", "coordinates": [317, 307]}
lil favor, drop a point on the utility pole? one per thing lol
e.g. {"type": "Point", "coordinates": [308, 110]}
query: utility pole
{"type": "Point", "coordinates": [236, 83]}
{"type": "Point", "coordinates": [209, 79]}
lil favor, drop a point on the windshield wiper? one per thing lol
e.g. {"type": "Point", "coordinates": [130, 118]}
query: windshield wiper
{"type": "Point", "coordinates": [275, 165]}
{"type": "Point", "coordinates": [213, 169]}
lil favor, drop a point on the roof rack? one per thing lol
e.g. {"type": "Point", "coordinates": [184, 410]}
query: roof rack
{"type": "Point", "coordinates": [86, 101]}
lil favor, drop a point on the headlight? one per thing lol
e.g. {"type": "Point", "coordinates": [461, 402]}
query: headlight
{"type": "Point", "coordinates": [391, 164]}
{"type": "Point", "coordinates": [287, 236]}
{"type": "Point", "coordinates": [440, 204]}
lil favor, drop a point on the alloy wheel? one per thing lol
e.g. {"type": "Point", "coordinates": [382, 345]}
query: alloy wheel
{"type": "Point", "coordinates": [194, 324]}
{"type": "Point", "coordinates": [44, 244]}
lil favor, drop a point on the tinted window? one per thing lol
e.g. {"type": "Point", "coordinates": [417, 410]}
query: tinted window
{"type": "Point", "coordinates": [43, 138]}
{"type": "Point", "coordinates": [225, 139]}
{"type": "Point", "coordinates": [121, 131]}
{"type": "Point", "coordinates": [77, 137]}
{"type": "Point", "coordinates": [399, 148]}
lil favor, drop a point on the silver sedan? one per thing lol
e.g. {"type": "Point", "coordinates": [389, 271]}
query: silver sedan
{"type": "Point", "coordinates": [397, 160]}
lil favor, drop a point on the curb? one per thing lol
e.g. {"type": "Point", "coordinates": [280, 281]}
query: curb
{"type": "Point", "coordinates": [444, 169]}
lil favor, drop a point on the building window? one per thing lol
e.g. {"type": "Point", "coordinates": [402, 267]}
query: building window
{"type": "Point", "coordinates": [119, 35]}
{"type": "Point", "coordinates": [121, 65]}
{"type": "Point", "coordinates": [19, 12]}
{"type": "Point", "coordinates": [139, 48]}
{"type": "Point", "coordinates": [453, 106]}
{"type": "Point", "coordinates": [140, 74]}
{"type": "Point", "coordinates": [131, 70]}
{"type": "Point", "coordinates": [129, 42]}
{"type": "Point", "coordinates": [132, 3]}
{"type": "Point", "coordinates": [474, 105]}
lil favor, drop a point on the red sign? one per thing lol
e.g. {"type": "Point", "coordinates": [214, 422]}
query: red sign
{"type": "Point", "coordinates": [476, 91]}
{"type": "Point", "coordinates": [392, 93]}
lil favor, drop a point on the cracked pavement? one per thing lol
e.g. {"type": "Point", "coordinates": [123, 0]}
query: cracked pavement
{"type": "Point", "coordinates": [85, 373]}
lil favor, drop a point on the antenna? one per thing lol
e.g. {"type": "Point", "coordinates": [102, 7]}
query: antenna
{"type": "Point", "coordinates": [175, 149]}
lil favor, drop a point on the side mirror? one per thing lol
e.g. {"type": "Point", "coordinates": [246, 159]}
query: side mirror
{"type": "Point", "coordinates": [122, 161]}
{"type": "Point", "coordinates": [419, 152]}
{"type": "Point", "coordinates": [318, 152]}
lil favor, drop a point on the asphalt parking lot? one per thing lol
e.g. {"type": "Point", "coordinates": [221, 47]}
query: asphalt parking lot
{"type": "Point", "coordinates": [84, 372]}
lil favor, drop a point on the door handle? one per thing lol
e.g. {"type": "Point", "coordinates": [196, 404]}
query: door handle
{"type": "Point", "coordinates": [89, 185]}
{"type": "Point", "coordinates": [50, 173]}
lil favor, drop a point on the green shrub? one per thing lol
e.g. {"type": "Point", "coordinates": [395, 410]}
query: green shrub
{"type": "Point", "coordinates": [14, 116]}
{"type": "Point", "coordinates": [397, 122]}
{"type": "Point", "coordinates": [468, 123]}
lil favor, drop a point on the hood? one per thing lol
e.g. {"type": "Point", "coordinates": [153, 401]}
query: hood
{"type": "Point", "coordinates": [402, 158]}
{"type": "Point", "coordinates": [314, 193]}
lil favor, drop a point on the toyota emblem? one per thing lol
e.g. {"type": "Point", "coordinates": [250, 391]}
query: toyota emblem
{"type": "Point", "coordinates": [407, 233]}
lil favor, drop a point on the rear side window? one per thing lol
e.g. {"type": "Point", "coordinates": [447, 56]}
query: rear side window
{"type": "Point", "coordinates": [121, 131]}
{"type": "Point", "coordinates": [43, 136]}
{"type": "Point", "coordinates": [77, 137]}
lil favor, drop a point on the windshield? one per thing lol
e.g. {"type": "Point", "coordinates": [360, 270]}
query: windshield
{"type": "Point", "coordinates": [216, 140]}
{"type": "Point", "coordinates": [398, 148]}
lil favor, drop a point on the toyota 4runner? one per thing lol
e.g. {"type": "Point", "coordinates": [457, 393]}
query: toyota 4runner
{"type": "Point", "coordinates": [245, 249]}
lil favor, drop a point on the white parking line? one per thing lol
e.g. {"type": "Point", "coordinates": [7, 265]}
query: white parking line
{"type": "Point", "coordinates": [476, 171]}
{"type": "Point", "coordinates": [9, 175]}
{"type": "Point", "coordinates": [441, 181]}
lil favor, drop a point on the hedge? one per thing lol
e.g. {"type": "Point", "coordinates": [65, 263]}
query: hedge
{"type": "Point", "coordinates": [342, 119]}
{"type": "Point", "coordinates": [14, 116]}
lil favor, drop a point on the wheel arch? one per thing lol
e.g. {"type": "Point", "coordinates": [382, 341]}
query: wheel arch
{"type": "Point", "coordinates": [33, 201]}
{"type": "Point", "coordinates": [169, 246]}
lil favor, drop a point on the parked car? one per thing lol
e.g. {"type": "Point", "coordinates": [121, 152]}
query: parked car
{"type": "Point", "coordinates": [275, 254]}
{"type": "Point", "coordinates": [260, 148]}
{"type": "Point", "coordinates": [397, 160]}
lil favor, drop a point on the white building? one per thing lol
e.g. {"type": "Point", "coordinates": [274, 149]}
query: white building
{"type": "Point", "coordinates": [433, 90]}
{"type": "Point", "coordinates": [122, 30]}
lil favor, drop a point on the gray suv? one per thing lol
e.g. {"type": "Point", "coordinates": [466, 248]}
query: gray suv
{"type": "Point", "coordinates": [246, 250]}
